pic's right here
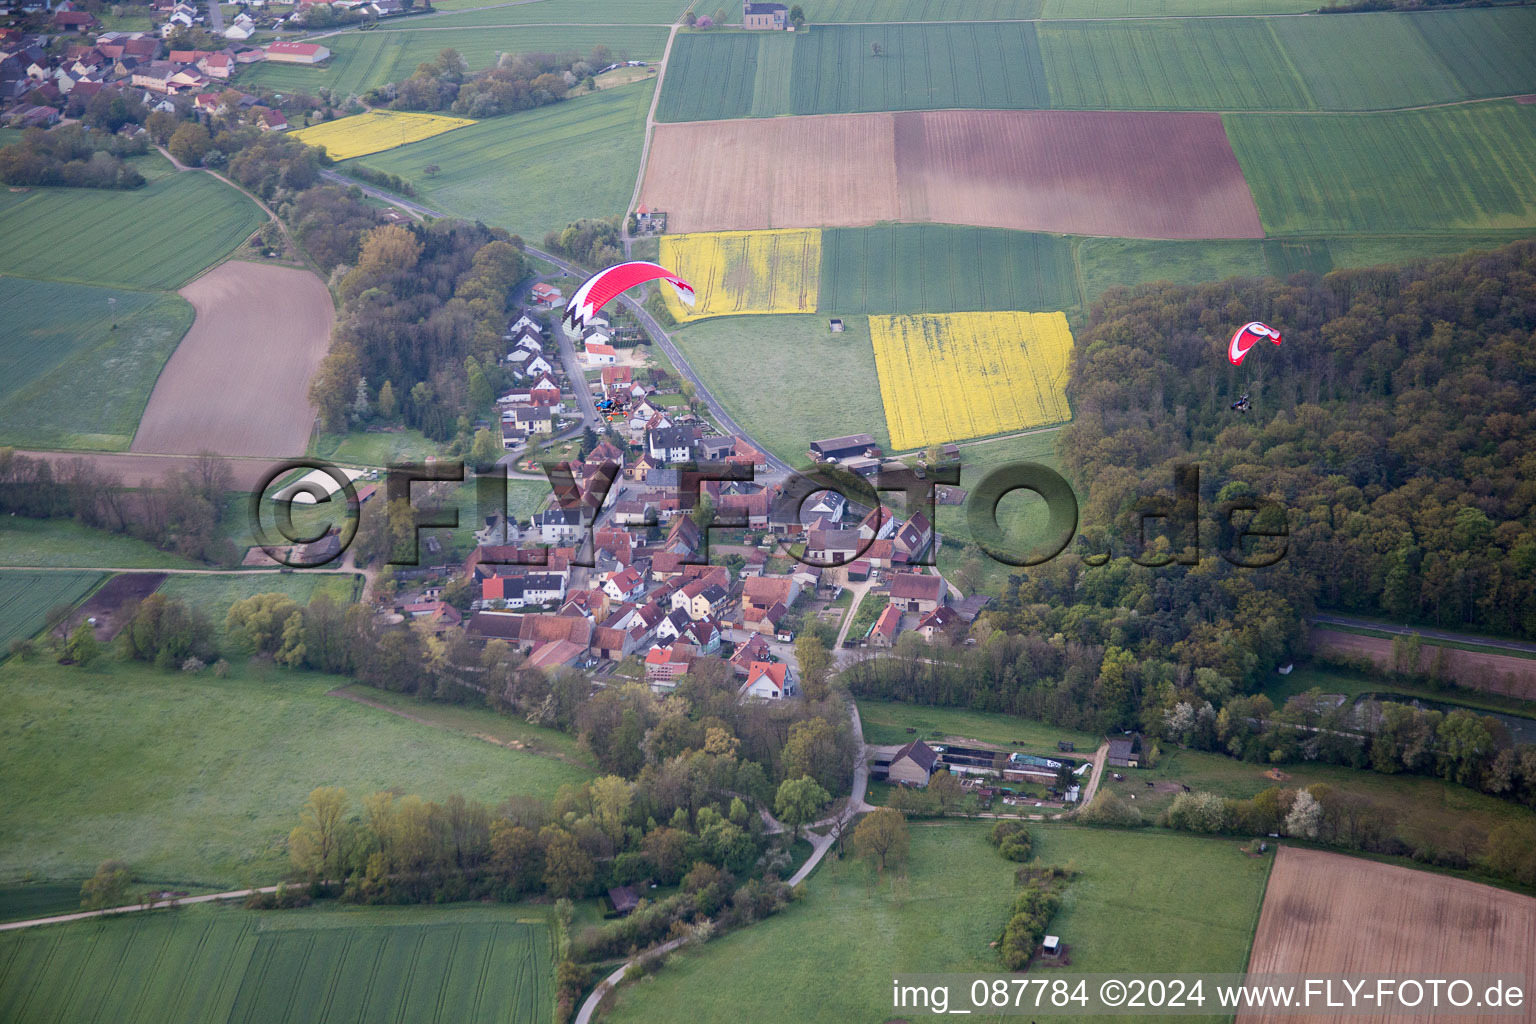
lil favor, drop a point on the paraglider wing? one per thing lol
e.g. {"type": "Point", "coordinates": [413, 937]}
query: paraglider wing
{"type": "Point", "coordinates": [1247, 336]}
{"type": "Point", "coordinates": [600, 288]}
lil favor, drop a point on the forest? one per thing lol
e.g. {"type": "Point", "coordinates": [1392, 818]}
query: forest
{"type": "Point", "coordinates": [72, 157]}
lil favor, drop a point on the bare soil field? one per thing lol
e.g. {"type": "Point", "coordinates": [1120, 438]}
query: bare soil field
{"type": "Point", "coordinates": [1476, 670]}
{"type": "Point", "coordinates": [108, 601]}
{"type": "Point", "coordinates": [1137, 175]}
{"type": "Point", "coordinates": [1325, 913]}
{"type": "Point", "coordinates": [239, 382]}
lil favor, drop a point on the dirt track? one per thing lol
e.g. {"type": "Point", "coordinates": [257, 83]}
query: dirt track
{"type": "Point", "coordinates": [238, 384]}
{"type": "Point", "coordinates": [1325, 913]}
{"type": "Point", "coordinates": [1141, 175]}
{"type": "Point", "coordinates": [1492, 673]}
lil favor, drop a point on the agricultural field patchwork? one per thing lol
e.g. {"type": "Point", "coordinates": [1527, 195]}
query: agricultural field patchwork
{"type": "Point", "coordinates": [947, 377]}
{"type": "Point", "coordinates": [1170, 8]}
{"type": "Point", "coordinates": [742, 272]}
{"type": "Point", "coordinates": [376, 131]}
{"type": "Point", "coordinates": [534, 171]}
{"type": "Point", "coordinates": [26, 598]}
{"type": "Point", "coordinates": [178, 226]}
{"type": "Point", "coordinates": [1447, 169]}
{"type": "Point", "coordinates": [1057, 171]}
{"type": "Point", "coordinates": [79, 362]}
{"type": "Point", "coordinates": [219, 963]}
{"type": "Point", "coordinates": [568, 13]}
{"type": "Point", "coordinates": [831, 12]}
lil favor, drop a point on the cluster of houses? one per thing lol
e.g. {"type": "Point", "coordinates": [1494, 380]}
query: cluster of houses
{"type": "Point", "coordinates": [537, 396]}
{"type": "Point", "coordinates": [38, 81]}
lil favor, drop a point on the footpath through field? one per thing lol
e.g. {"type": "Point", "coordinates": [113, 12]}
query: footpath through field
{"type": "Point", "coordinates": [86, 915]}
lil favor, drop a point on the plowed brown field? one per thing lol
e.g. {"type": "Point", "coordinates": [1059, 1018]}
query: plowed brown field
{"type": "Point", "coordinates": [1325, 913]}
{"type": "Point", "coordinates": [238, 384]}
{"type": "Point", "coordinates": [1139, 175]}
{"type": "Point", "coordinates": [1508, 674]}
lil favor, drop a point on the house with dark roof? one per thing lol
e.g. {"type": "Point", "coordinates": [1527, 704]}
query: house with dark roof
{"type": "Point", "coordinates": [839, 448]}
{"type": "Point", "coordinates": [913, 764]}
{"type": "Point", "coordinates": [774, 17]}
{"type": "Point", "coordinates": [1125, 750]}
{"type": "Point", "coordinates": [672, 444]}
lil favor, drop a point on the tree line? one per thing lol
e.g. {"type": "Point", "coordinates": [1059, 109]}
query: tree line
{"type": "Point", "coordinates": [517, 82]}
{"type": "Point", "coordinates": [72, 157]}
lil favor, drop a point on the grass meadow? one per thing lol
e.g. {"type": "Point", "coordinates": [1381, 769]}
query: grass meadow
{"type": "Point", "coordinates": [364, 60]}
{"type": "Point", "coordinates": [26, 598]}
{"type": "Point", "coordinates": [63, 543]}
{"type": "Point", "coordinates": [534, 171]}
{"type": "Point", "coordinates": [165, 233]}
{"type": "Point", "coordinates": [761, 367]}
{"type": "Point", "coordinates": [79, 362]}
{"type": "Point", "coordinates": [559, 12]}
{"type": "Point", "coordinates": [213, 595]}
{"type": "Point", "coordinates": [1143, 902]}
{"type": "Point", "coordinates": [203, 963]}
{"type": "Point", "coordinates": [195, 779]}
{"type": "Point", "coordinates": [887, 721]}
{"type": "Point", "coordinates": [1429, 812]}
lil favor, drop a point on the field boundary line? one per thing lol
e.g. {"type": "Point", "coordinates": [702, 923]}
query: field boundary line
{"type": "Point", "coordinates": [132, 908]}
{"type": "Point", "coordinates": [645, 144]}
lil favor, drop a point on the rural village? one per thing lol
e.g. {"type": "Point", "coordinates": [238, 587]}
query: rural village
{"type": "Point", "coordinates": [562, 511]}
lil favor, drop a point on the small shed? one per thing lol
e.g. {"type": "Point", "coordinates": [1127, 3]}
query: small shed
{"type": "Point", "coordinates": [1051, 946]}
{"type": "Point", "coordinates": [836, 325]}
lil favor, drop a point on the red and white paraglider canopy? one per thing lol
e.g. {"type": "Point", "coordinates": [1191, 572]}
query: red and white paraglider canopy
{"type": "Point", "coordinates": [1247, 336]}
{"type": "Point", "coordinates": [602, 287]}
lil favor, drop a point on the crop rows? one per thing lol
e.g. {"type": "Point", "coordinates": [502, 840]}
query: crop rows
{"type": "Point", "coordinates": [1357, 62]}
{"type": "Point", "coordinates": [222, 966]}
{"type": "Point", "coordinates": [743, 272]}
{"type": "Point", "coordinates": [947, 377]}
{"type": "Point", "coordinates": [1428, 170]}
{"type": "Point", "coordinates": [26, 598]}
{"type": "Point", "coordinates": [184, 222]}
{"type": "Point", "coordinates": [941, 268]}
{"type": "Point", "coordinates": [376, 131]}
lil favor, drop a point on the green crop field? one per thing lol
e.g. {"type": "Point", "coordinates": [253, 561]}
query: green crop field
{"type": "Point", "coordinates": [940, 268]}
{"type": "Point", "coordinates": [244, 967]}
{"type": "Point", "coordinates": [26, 598]}
{"type": "Point", "coordinates": [832, 70]}
{"type": "Point", "coordinates": [887, 722]}
{"type": "Point", "coordinates": [1447, 169]}
{"type": "Point", "coordinates": [212, 595]}
{"type": "Point", "coordinates": [77, 367]}
{"type": "Point", "coordinates": [1172, 8]}
{"type": "Point", "coordinates": [535, 171]}
{"type": "Point", "coordinates": [567, 13]}
{"type": "Point", "coordinates": [1366, 63]}
{"type": "Point", "coordinates": [1490, 50]}
{"type": "Point", "coordinates": [196, 779]}
{"type": "Point", "coordinates": [363, 60]}
{"type": "Point", "coordinates": [158, 236]}
{"type": "Point", "coordinates": [822, 12]}
{"type": "Point", "coordinates": [759, 366]}
{"type": "Point", "coordinates": [1204, 64]}
{"type": "Point", "coordinates": [1143, 902]}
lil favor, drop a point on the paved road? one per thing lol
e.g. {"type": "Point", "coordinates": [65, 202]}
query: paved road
{"type": "Point", "coordinates": [648, 322]}
{"type": "Point", "coordinates": [1428, 634]}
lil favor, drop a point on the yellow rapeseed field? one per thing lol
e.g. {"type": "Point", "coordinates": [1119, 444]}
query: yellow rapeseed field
{"type": "Point", "coordinates": [949, 376]}
{"type": "Point", "coordinates": [375, 131]}
{"type": "Point", "coordinates": [741, 272]}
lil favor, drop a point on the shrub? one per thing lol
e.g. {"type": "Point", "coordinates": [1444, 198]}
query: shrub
{"type": "Point", "coordinates": [1108, 809]}
{"type": "Point", "coordinates": [1012, 840]}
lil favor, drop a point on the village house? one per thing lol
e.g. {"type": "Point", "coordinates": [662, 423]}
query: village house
{"type": "Point", "coordinates": [628, 585]}
{"type": "Point", "coordinates": [913, 593]}
{"type": "Point", "coordinates": [559, 524]}
{"type": "Point", "coordinates": [672, 444]}
{"type": "Point", "coordinates": [913, 764]}
{"type": "Point", "coordinates": [701, 598]}
{"type": "Point", "coordinates": [832, 547]}
{"type": "Point", "coordinates": [886, 628]}
{"type": "Point", "coordinates": [768, 682]}
{"type": "Point", "coordinates": [755, 649]}
{"type": "Point", "coordinates": [942, 619]}
{"type": "Point", "coordinates": [774, 17]}
{"type": "Point", "coordinates": [664, 665]}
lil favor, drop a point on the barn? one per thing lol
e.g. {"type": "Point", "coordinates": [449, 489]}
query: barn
{"type": "Point", "coordinates": [912, 764]}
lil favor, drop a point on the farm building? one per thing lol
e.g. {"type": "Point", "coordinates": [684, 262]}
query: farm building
{"type": "Point", "coordinates": [1125, 750]}
{"type": "Point", "coordinates": [297, 53]}
{"type": "Point", "coordinates": [914, 593]}
{"type": "Point", "coordinates": [774, 17]}
{"type": "Point", "coordinates": [913, 764]}
{"type": "Point", "coordinates": [852, 446]}
{"type": "Point", "coordinates": [624, 899]}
